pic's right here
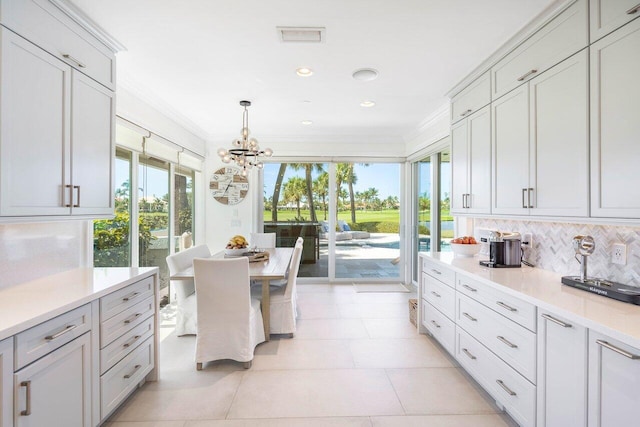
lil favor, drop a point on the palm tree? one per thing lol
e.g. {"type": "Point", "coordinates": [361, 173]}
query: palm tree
{"type": "Point", "coordinates": [294, 191]}
{"type": "Point", "coordinates": [370, 195]}
{"type": "Point", "coordinates": [308, 168]}
{"type": "Point", "coordinates": [276, 192]}
{"type": "Point", "coordinates": [321, 189]}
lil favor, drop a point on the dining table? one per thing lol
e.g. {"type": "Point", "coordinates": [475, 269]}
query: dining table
{"type": "Point", "coordinates": [274, 268]}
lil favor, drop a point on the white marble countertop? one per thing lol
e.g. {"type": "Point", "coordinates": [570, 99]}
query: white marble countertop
{"type": "Point", "coordinates": [543, 288]}
{"type": "Point", "coordinates": [28, 304]}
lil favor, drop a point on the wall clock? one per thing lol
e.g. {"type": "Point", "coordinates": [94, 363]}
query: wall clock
{"type": "Point", "coordinates": [228, 186]}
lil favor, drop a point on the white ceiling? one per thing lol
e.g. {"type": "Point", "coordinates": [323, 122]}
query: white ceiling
{"type": "Point", "coordinates": [196, 59]}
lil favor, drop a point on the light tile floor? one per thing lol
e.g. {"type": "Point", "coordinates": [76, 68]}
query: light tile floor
{"type": "Point", "coordinates": [356, 361]}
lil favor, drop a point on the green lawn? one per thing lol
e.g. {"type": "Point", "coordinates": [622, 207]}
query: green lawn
{"type": "Point", "coordinates": [391, 215]}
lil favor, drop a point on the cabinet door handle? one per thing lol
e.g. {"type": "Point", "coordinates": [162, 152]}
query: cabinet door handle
{"type": "Point", "coordinates": [132, 318]}
{"type": "Point", "coordinates": [464, 200]}
{"type": "Point", "coordinates": [435, 271]}
{"type": "Point", "coordinates": [468, 353]}
{"type": "Point", "coordinates": [70, 187]}
{"type": "Point", "coordinates": [131, 341]}
{"type": "Point", "coordinates": [77, 187]}
{"type": "Point", "coordinates": [67, 328]}
{"type": "Point", "coordinates": [437, 295]}
{"type": "Point", "coordinates": [27, 409]}
{"type": "Point", "coordinates": [633, 10]}
{"type": "Point", "coordinates": [618, 350]}
{"type": "Point", "coordinates": [505, 388]}
{"type": "Point", "coordinates": [506, 307]}
{"type": "Point", "coordinates": [464, 113]}
{"type": "Point", "coordinates": [470, 288]}
{"type": "Point", "coordinates": [135, 369]}
{"type": "Point", "coordinates": [524, 204]}
{"type": "Point", "coordinates": [556, 321]}
{"type": "Point", "coordinates": [71, 58]}
{"type": "Point", "coordinates": [468, 316]}
{"type": "Point", "coordinates": [435, 323]}
{"type": "Point", "coordinates": [130, 296]}
{"type": "Point", "coordinates": [529, 192]}
{"type": "Point", "coordinates": [527, 74]}
{"type": "Point", "coordinates": [506, 341]}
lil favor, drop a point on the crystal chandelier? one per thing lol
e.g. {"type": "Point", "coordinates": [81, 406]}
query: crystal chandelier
{"type": "Point", "coordinates": [245, 151]}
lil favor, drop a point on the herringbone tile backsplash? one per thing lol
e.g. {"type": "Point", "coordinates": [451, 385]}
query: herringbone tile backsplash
{"type": "Point", "coordinates": [553, 249]}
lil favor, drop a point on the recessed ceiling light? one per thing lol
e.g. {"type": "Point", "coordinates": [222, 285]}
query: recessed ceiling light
{"type": "Point", "coordinates": [304, 71]}
{"type": "Point", "coordinates": [365, 74]}
{"type": "Point", "coordinates": [367, 104]}
{"type": "Point", "coordinates": [306, 122]}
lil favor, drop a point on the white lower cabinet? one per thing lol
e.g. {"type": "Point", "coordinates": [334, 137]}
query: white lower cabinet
{"type": "Point", "coordinates": [56, 389]}
{"type": "Point", "coordinates": [614, 382]}
{"type": "Point", "coordinates": [562, 372]}
{"type": "Point", "coordinates": [6, 383]}
{"type": "Point", "coordinates": [439, 326]}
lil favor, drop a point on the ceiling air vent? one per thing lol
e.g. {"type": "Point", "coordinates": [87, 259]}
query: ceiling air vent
{"type": "Point", "coordinates": [301, 34]}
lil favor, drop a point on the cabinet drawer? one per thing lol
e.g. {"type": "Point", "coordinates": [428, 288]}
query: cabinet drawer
{"type": "Point", "coordinates": [439, 271]}
{"type": "Point", "coordinates": [510, 341]}
{"type": "Point", "coordinates": [121, 323]}
{"type": "Point", "coordinates": [440, 327]}
{"type": "Point", "coordinates": [125, 298]}
{"type": "Point", "coordinates": [114, 352]}
{"type": "Point", "coordinates": [472, 98]}
{"type": "Point", "coordinates": [510, 389]}
{"type": "Point", "coordinates": [439, 295]}
{"type": "Point", "coordinates": [566, 34]}
{"type": "Point", "coordinates": [42, 339]}
{"type": "Point", "coordinates": [42, 23]}
{"type": "Point", "coordinates": [510, 307]}
{"type": "Point", "coordinates": [124, 377]}
{"type": "Point", "coordinates": [606, 16]}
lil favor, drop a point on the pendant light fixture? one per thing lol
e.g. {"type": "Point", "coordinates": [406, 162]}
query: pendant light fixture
{"type": "Point", "coordinates": [245, 151]}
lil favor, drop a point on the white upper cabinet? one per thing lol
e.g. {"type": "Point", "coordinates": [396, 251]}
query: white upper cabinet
{"type": "Point", "coordinates": [566, 34]}
{"type": "Point", "coordinates": [607, 15]}
{"type": "Point", "coordinates": [615, 128]}
{"type": "Point", "coordinates": [472, 98]}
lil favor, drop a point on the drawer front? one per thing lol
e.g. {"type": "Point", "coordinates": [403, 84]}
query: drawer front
{"type": "Point", "coordinates": [606, 16]}
{"type": "Point", "coordinates": [510, 307]}
{"type": "Point", "coordinates": [440, 296]}
{"type": "Point", "coordinates": [557, 40]}
{"type": "Point", "coordinates": [124, 377]}
{"type": "Point", "coordinates": [510, 341]}
{"type": "Point", "coordinates": [439, 271]}
{"type": "Point", "coordinates": [440, 327]}
{"type": "Point", "coordinates": [42, 339]}
{"type": "Point", "coordinates": [114, 352]}
{"type": "Point", "coordinates": [514, 392]}
{"type": "Point", "coordinates": [40, 22]}
{"type": "Point", "coordinates": [472, 98]}
{"type": "Point", "coordinates": [125, 298]}
{"type": "Point", "coordinates": [121, 323]}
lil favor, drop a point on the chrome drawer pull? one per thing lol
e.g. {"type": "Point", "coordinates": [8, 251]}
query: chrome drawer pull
{"type": "Point", "coordinates": [436, 294]}
{"type": "Point", "coordinates": [464, 113]}
{"type": "Point", "coordinates": [68, 328]}
{"type": "Point", "coordinates": [469, 288]}
{"type": "Point", "coordinates": [505, 388]}
{"type": "Point", "coordinates": [556, 321]}
{"type": "Point", "coordinates": [473, 319]}
{"type": "Point", "coordinates": [131, 341]}
{"type": "Point", "coordinates": [506, 341]}
{"type": "Point", "coordinates": [524, 204]}
{"type": "Point", "coordinates": [71, 58]}
{"type": "Point", "coordinates": [130, 296]}
{"type": "Point", "coordinates": [77, 204]}
{"type": "Point", "coordinates": [524, 76]}
{"type": "Point", "coordinates": [471, 356]}
{"type": "Point", "coordinates": [135, 369]}
{"type": "Point", "coordinates": [618, 350]}
{"type": "Point", "coordinates": [435, 323]}
{"type": "Point", "coordinates": [507, 307]}
{"type": "Point", "coordinates": [435, 271]}
{"type": "Point", "coordinates": [132, 318]}
{"type": "Point", "coordinates": [633, 10]}
{"type": "Point", "coordinates": [27, 409]}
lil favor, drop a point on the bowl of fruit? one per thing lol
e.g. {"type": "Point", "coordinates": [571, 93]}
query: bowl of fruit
{"type": "Point", "coordinates": [236, 246]}
{"type": "Point", "coordinates": [465, 246]}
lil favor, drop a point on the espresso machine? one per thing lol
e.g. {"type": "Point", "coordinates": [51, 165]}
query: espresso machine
{"type": "Point", "coordinates": [505, 250]}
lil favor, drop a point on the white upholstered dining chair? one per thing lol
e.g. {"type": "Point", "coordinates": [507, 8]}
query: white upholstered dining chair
{"type": "Point", "coordinates": [185, 289]}
{"type": "Point", "coordinates": [229, 319]}
{"type": "Point", "coordinates": [262, 240]}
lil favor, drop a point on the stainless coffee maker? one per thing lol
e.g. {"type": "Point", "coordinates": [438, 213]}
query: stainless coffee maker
{"type": "Point", "coordinates": [505, 250]}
